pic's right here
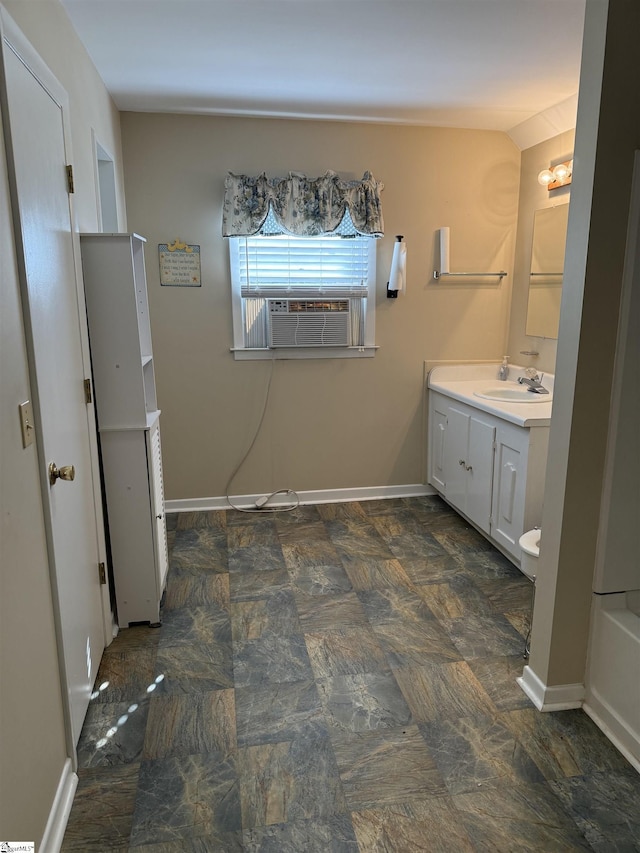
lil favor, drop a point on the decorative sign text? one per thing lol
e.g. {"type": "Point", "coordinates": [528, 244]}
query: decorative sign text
{"type": "Point", "coordinates": [179, 264]}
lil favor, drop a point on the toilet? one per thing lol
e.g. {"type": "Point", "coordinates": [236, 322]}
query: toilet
{"type": "Point", "coordinates": [530, 544]}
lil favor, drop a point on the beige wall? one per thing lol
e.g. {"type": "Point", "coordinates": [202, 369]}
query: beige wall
{"type": "Point", "coordinates": [607, 131]}
{"type": "Point", "coordinates": [330, 423]}
{"type": "Point", "coordinates": [534, 197]}
{"type": "Point", "coordinates": [32, 739]}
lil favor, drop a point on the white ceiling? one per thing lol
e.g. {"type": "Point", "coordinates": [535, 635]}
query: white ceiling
{"type": "Point", "coordinates": [489, 64]}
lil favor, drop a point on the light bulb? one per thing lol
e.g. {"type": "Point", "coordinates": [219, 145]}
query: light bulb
{"type": "Point", "coordinates": [561, 172]}
{"type": "Point", "coordinates": [546, 177]}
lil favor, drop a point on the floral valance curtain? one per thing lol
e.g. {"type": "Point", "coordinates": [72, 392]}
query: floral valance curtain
{"type": "Point", "coordinates": [302, 206]}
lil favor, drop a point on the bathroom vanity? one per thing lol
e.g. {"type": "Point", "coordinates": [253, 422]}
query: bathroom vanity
{"type": "Point", "coordinates": [487, 450]}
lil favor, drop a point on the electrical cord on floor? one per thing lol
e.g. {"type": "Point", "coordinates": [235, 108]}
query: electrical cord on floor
{"type": "Point", "coordinates": [261, 504]}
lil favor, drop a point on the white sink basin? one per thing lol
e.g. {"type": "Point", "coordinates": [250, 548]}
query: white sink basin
{"type": "Point", "coordinates": [512, 394]}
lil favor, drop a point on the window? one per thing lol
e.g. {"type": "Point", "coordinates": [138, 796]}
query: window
{"type": "Point", "coordinates": [308, 297]}
{"type": "Point", "coordinates": [303, 264]}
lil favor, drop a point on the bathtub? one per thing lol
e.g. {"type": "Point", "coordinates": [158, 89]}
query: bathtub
{"type": "Point", "coordinates": [613, 682]}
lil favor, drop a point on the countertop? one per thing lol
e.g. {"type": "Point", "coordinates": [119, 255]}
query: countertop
{"type": "Point", "coordinates": [461, 381]}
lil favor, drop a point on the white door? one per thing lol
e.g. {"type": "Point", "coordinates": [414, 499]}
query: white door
{"type": "Point", "coordinates": [53, 318]}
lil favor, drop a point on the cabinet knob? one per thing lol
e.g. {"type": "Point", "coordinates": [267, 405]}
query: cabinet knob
{"type": "Point", "coordinates": [469, 467]}
{"type": "Point", "coordinates": [462, 462]}
{"type": "Point", "coordinates": [159, 516]}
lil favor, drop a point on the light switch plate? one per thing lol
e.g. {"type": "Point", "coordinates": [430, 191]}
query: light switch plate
{"type": "Point", "coordinates": [26, 423]}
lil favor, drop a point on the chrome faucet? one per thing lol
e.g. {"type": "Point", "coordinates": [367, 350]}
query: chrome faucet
{"type": "Point", "coordinates": [533, 383]}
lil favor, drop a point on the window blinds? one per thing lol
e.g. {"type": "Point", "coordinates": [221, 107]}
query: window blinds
{"type": "Point", "coordinates": [298, 268]}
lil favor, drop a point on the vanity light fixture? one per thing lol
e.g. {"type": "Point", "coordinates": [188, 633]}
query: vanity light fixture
{"type": "Point", "coordinates": [556, 176]}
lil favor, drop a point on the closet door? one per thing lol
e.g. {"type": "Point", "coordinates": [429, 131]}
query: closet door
{"type": "Point", "coordinates": [36, 122]}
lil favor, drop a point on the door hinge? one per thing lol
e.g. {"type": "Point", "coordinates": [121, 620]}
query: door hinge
{"type": "Point", "coordinates": [70, 186]}
{"type": "Point", "coordinates": [102, 573]}
{"type": "Point", "coordinates": [87, 391]}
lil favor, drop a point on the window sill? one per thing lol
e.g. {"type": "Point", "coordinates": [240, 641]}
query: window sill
{"type": "Point", "coordinates": [303, 352]}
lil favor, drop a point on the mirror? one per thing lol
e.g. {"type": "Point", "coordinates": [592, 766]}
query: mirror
{"type": "Point", "coordinates": [547, 264]}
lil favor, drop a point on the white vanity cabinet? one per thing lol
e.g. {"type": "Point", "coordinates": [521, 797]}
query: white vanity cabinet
{"type": "Point", "coordinates": [490, 470]}
{"type": "Point", "coordinates": [128, 421]}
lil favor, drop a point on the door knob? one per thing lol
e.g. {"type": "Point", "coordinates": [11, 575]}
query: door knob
{"type": "Point", "coordinates": [65, 472]}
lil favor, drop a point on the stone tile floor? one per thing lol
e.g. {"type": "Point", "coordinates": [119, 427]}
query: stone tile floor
{"type": "Point", "coordinates": [339, 678]}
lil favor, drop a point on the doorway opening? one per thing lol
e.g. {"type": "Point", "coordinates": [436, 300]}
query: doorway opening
{"type": "Point", "coordinates": [105, 189]}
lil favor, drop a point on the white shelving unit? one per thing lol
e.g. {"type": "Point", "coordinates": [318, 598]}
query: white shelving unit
{"type": "Point", "coordinates": [128, 420]}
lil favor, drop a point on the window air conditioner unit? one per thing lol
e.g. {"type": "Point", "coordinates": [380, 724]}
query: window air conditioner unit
{"type": "Point", "coordinates": [309, 322]}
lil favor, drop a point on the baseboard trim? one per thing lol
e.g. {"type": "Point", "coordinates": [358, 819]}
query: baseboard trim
{"type": "Point", "coordinates": [319, 496]}
{"type": "Point", "coordinates": [559, 697]}
{"type": "Point", "coordinates": [614, 727]}
{"type": "Point", "coordinates": [60, 809]}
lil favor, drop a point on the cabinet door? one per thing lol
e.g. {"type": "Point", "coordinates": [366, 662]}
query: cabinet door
{"type": "Point", "coordinates": [455, 457]}
{"type": "Point", "coordinates": [437, 444]}
{"type": "Point", "coordinates": [509, 488]}
{"type": "Point", "coordinates": [156, 490]}
{"type": "Point", "coordinates": [131, 524]}
{"type": "Point", "coordinates": [479, 470]}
